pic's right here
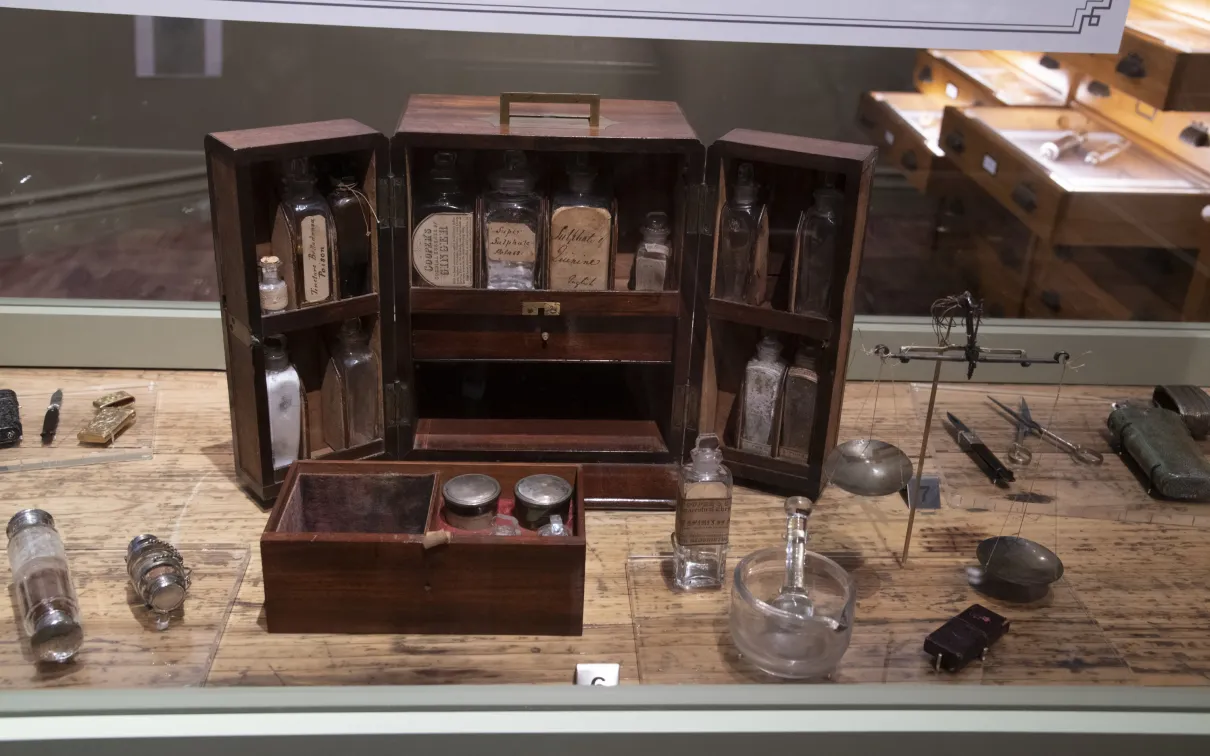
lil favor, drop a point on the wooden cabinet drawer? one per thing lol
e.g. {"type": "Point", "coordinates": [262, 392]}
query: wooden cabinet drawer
{"type": "Point", "coordinates": [905, 126]}
{"type": "Point", "coordinates": [517, 337]}
{"type": "Point", "coordinates": [974, 77]}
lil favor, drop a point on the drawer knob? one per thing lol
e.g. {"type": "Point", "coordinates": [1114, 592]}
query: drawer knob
{"type": "Point", "coordinates": [1025, 197]}
{"type": "Point", "coordinates": [926, 73]}
{"type": "Point", "coordinates": [545, 338]}
{"type": "Point", "coordinates": [1131, 67]}
{"type": "Point", "coordinates": [865, 120]}
{"type": "Point", "coordinates": [1051, 300]}
{"type": "Point", "coordinates": [955, 142]}
{"type": "Point", "coordinates": [908, 160]}
{"type": "Point", "coordinates": [1196, 135]}
{"type": "Point", "coordinates": [1048, 62]}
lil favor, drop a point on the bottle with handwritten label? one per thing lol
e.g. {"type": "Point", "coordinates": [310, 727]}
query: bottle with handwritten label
{"type": "Point", "coordinates": [581, 232]}
{"type": "Point", "coordinates": [443, 242]}
{"type": "Point", "coordinates": [703, 518]}
{"type": "Point", "coordinates": [512, 217]}
{"type": "Point", "coordinates": [304, 236]}
{"type": "Point", "coordinates": [354, 223]}
{"type": "Point", "coordinates": [651, 258]}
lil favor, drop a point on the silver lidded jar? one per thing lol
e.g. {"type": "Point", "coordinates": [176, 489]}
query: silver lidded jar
{"type": "Point", "coordinates": [46, 598]}
{"type": "Point", "coordinates": [470, 501]}
{"type": "Point", "coordinates": [540, 496]}
{"type": "Point", "coordinates": [158, 573]}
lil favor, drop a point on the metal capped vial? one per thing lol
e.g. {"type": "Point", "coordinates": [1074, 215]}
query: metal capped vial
{"type": "Point", "coordinates": [158, 573]}
{"type": "Point", "coordinates": [540, 496]}
{"type": "Point", "coordinates": [46, 598]}
{"type": "Point", "coordinates": [470, 501]}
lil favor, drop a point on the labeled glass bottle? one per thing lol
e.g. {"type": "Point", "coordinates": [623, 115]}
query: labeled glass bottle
{"type": "Point", "coordinates": [512, 238]}
{"type": "Point", "coordinates": [358, 370]}
{"type": "Point", "coordinates": [703, 518]}
{"type": "Point", "coordinates": [284, 392]}
{"type": "Point", "coordinates": [273, 294]}
{"type": "Point", "coordinates": [443, 242]}
{"type": "Point", "coordinates": [581, 232]}
{"type": "Point", "coordinates": [761, 391]}
{"type": "Point", "coordinates": [304, 236]}
{"type": "Point", "coordinates": [737, 237]}
{"type": "Point", "coordinates": [46, 598]}
{"type": "Point", "coordinates": [652, 256]}
{"type": "Point", "coordinates": [354, 222]}
{"type": "Point", "coordinates": [798, 405]}
{"type": "Point", "coordinates": [817, 252]}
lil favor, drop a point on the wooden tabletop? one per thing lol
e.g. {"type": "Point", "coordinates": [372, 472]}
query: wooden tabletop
{"type": "Point", "coordinates": [1133, 607]}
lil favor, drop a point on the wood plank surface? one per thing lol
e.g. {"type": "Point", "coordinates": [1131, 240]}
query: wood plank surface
{"type": "Point", "coordinates": [1131, 609]}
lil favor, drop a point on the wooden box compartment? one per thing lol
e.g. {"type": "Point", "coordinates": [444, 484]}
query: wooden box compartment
{"type": "Point", "coordinates": [975, 77]}
{"type": "Point", "coordinates": [905, 126]}
{"type": "Point", "coordinates": [363, 548]}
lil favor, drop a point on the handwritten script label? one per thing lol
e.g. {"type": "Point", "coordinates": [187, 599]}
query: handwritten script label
{"type": "Point", "coordinates": [317, 258]}
{"type": "Point", "coordinates": [443, 249]}
{"type": "Point", "coordinates": [511, 243]}
{"type": "Point", "coordinates": [579, 249]}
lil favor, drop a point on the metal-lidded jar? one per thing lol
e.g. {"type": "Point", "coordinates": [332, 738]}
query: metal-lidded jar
{"type": "Point", "coordinates": [46, 597]}
{"type": "Point", "coordinates": [470, 501]}
{"type": "Point", "coordinates": [539, 497]}
{"type": "Point", "coordinates": [158, 573]}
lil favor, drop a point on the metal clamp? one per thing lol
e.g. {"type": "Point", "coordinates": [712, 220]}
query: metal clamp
{"type": "Point", "coordinates": [540, 308]}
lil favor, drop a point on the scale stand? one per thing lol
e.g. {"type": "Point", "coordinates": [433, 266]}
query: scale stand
{"type": "Point", "coordinates": [945, 311]}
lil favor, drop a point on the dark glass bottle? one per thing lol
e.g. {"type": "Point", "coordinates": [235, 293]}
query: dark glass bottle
{"type": "Point", "coordinates": [304, 236]}
{"type": "Point", "coordinates": [443, 241]}
{"type": "Point", "coordinates": [354, 224]}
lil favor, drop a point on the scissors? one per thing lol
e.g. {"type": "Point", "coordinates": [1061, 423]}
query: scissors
{"type": "Point", "coordinates": [1024, 420]}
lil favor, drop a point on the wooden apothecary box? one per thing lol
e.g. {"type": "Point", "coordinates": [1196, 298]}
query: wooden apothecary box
{"type": "Point", "coordinates": [619, 379]}
{"type": "Point", "coordinates": [355, 548]}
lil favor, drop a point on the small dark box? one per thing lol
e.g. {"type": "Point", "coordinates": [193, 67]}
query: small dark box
{"type": "Point", "coordinates": [10, 418]}
{"type": "Point", "coordinates": [965, 638]}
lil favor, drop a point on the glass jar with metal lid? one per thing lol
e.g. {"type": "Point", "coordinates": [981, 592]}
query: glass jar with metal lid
{"type": "Point", "coordinates": [470, 501]}
{"type": "Point", "coordinates": [46, 597]}
{"type": "Point", "coordinates": [540, 496]}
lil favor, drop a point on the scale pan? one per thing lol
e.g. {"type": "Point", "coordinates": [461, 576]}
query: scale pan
{"type": "Point", "coordinates": [1019, 561]}
{"type": "Point", "coordinates": [867, 467]}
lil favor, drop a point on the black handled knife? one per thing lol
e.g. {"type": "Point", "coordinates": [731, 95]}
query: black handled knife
{"type": "Point", "coordinates": [970, 443]}
{"type": "Point", "coordinates": [50, 424]}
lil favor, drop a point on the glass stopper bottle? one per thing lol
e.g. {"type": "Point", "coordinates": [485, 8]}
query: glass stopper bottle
{"type": "Point", "coordinates": [798, 405]}
{"type": "Point", "coordinates": [761, 391]}
{"type": "Point", "coordinates": [304, 235]}
{"type": "Point", "coordinates": [512, 213]}
{"type": "Point", "coordinates": [46, 598]}
{"type": "Point", "coordinates": [358, 370]}
{"type": "Point", "coordinates": [443, 242]}
{"type": "Point", "coordinates": [581, 233]}
{"type": "Point", "coordinates": [273, 296]}
{"type": "Point", "coordinates": [737, 236]}
{"type": "Point", "coordinates": [703, 518]}
{"type": "Point", "coordinates": [284, 390]}
{"type": "Point", "coordinates": [353, 222]}
{"type": "Point", "coordinates": [817, 251]}
{"type": "Point", "coordinates": [651, 258]}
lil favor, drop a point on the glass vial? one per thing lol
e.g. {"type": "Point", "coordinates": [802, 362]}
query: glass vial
{"type": "Point", "coordinates": [284, 392]}
{"type": "Point", "coordinates": [273, 296]}
{"type": "Point", "coordinates": [443, 242]}
{"type": "Point", "coordinates": [651, 258]}
{"type": "Point", "coordinates": [158, 575]}
{"type": "Point", "coordinates": [353, 220]}
{"type": "Point", "coordinates": [703, 518]}
{"type": "Point", "coordinates": [737, 236]}
{"type": "Point", "coordinates": [761, 391]}
{"type": "Point", "coordinates": [46, 598]}
{"type": "Point", "coordinates": [304, 235]}
{"type": "Point", "coordinates": [817, 252]}
{"type": "Point", "coordinates": [581, 232]}
{"type": "Point", "coordinates": [358, 370]}
{"type": "Point", "coordinates": [798, 406]}
{"type": "Point", "coordinates": [512, 214]}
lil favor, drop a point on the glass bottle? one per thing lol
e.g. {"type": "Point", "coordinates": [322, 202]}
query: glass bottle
{"type": "Point", "coordinates": [358, 370]}
{"type": "Point", "coordinates": [703, 518]}
{"type": "Point", "coordinates": [273, 295]}
{"type": "Point", "coordinates": [817, 252]}
{"type": "Point", "coordinates": [798, 405]}
{"type": "Point", "coordinates": [581, 233]}
{"type": "Point", "coordinates": [284, 391]}
{"type": "Point", "coordinates": [46, 598]}
{"type": "Point", "coordinates": [443, 242]}
{"type": "Point", "coordinates": [651, 258]}
{"type": "Point", "coordinates": [354, 223]}
{"type": "Point", "coordinates": [512, 214]}
{"type": "Point", "coordinates": [737, 236]}
{"type": "Point", "coordinates": [762, 387]}
{"type": "Point", "coordinates": [304, 235]}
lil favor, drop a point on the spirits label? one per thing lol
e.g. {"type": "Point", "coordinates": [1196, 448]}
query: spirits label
{"type": "Point", "coordinates": [579, 249]}
{"type": "Point", "coordinates": [443, 250]}
{"type": "Point", "coordinates": [511, 243]}
{"type": "Point", "coordinates": [316, 258]}
{"type": "Point", "coordinates": [703, 522]}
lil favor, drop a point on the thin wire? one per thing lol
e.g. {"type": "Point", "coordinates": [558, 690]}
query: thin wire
{"type": "Point", "coordinates": [367, 207]}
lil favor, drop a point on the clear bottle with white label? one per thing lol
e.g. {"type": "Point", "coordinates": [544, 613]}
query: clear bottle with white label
{"type": "Point", "coordinates": [581, 232]}
{"type": "Point", "coordinates": [817, 252]}
{"type": "Point", "coordinates": [761, 391]}
{"type": "Point", "coordinates": [703, 518]}
{"type": "Point", "coordinates": [284, 393]}
{"type": "Point", "coordinates": [652, 256]}
{"type": "Point", "coordinates": [443, 240]}
{"type": "Point", "coordinates": [273, 295]}
{"type": "Point", "coordinates": [512, 233]}
{"type": "Point", "coordinates": [310, 234]}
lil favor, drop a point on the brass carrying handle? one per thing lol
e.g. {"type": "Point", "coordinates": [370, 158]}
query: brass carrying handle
{"type": "Point", "coordinates": [591, 100]}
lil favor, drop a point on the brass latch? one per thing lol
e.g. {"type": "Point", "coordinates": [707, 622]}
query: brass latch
{"type": "Point", "coordinates": [539, 308]}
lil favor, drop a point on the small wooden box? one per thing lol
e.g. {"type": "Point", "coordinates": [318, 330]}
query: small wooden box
{"type": "Point", "coordinates": [344, 552]}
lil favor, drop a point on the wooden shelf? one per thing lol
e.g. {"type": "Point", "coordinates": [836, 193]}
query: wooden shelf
{"type": "Point", "coordinates": [548, 438]}
{"type": "Point", "coordinates": [572, 303]}
{"type": "Point", "coordinates": [774, 320]}
{"type": "Point", "coordinates": [787, 476]}
{"type": "Point", "coordinates": [319, 315]}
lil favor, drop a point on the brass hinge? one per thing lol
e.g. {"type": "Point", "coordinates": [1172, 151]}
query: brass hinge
{"type": "Point", "coordinates": [399, 215]}
{"type": "Point", "coordinates": [703, 202]}
{"type": "Point", "coordinates": [385, 201]}
{"type": "Point", "coordinates": [397, 405]}
{"type": "Point", "coordinates": [241, 332]}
